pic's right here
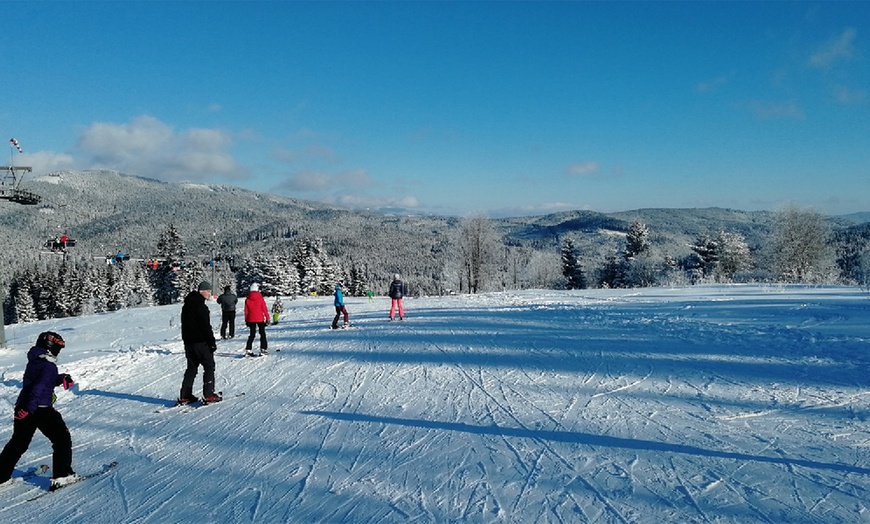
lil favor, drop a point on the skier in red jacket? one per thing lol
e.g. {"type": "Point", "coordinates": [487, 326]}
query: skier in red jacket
{"type": "Point", "coordinates": [256, 318]}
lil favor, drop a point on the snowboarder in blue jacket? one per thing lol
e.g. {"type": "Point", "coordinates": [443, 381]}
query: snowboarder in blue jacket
{"type": "Point", "coordinates": [34, 410]}
{"type": "Point", "coordinates": [339, 307]}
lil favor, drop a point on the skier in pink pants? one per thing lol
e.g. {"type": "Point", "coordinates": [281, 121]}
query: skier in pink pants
{"type": "Point", "coordinates": [398, 289]}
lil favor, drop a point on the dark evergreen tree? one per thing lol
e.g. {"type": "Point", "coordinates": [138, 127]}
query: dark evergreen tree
{"type": "Point", "coordinates": [637, 240]}
{"type": "Point", "coordinates": [167, 278]}
{"type": "Point", "coordinates": [170, 245]}
{"type": "Point", "coordinates": [357, 282]}
{"type": "Point", "coordinates": [571, 270]}
{"type": "Point", "coordinates": [317, 273]}
{"type": "Point", "coordinates": [706, 257]}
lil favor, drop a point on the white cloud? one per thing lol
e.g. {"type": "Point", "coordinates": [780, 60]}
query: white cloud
{"type": "Point", "coordinates": [47, 161]}
{"type": "Point", "coordinates": [582, 169]}
{"type": "Point", "coordinates": [839, 47]}
{"type": "Point", "coordinates": [308, 181]}
{"type": "Point", "coordinates": [308, 153]}
{"type": "Point", "coordinates": [845, 95]}
{"type": "Point", "coordinates": [366, 202]}
{"type": "Point", "coordinates": [151, 148]}
{"type": "Point", "coordinates": [788, 110]}
{"type": "Point", "coordinates": [712, 84]}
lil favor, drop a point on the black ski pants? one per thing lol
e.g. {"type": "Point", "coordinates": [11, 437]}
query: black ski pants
{"type": "Point", "coordinates": [198, 354]}
{"type": "Point", "coordinates": [255, 327]}
{"type": "Point", "coordinates": [228, 320]}
{"type": "Point", "coordinates": [49, 422]}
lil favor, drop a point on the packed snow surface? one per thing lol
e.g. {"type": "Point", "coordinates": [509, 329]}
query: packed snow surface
{"type": "Point", "coordinates": [706, 404]}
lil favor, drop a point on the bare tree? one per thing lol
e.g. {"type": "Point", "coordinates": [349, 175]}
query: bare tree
{"type": "Point", "coordinates": [481, 246]}
{"type": "Point", "coordinates": [801, 247]}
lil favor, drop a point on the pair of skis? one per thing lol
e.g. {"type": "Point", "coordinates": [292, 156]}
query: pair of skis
{"type": "Point", "coordinates": [184, 408]}
{"type": "Point", "coordinates": [40, 470]}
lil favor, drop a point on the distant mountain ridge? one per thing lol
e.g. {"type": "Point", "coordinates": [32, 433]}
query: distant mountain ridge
{"type": "Point", "coordinates": [107, 211]}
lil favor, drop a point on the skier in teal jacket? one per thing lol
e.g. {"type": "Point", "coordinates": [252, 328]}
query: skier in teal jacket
{"type": "Point", "coordinates": [339, 308]}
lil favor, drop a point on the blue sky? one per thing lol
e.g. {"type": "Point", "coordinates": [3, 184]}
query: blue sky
{"type": "Point", "coordinates": [501, 108]}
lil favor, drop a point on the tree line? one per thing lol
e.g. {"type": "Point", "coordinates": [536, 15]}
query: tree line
{"type": "Point", "coordinates": [475, 257]}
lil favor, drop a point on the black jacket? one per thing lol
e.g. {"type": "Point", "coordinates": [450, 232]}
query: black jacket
{"type": "Point", "coordinates": [398, 289]}
{"type": "Point", "coordinates": [195, 322]}
{"type": "Point", "coordinates": [228, 301]}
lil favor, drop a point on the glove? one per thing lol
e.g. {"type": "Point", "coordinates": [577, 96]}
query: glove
{"type": "Point", "coordinates": [67, 381]}
{"type": "Point", "coordinates": [213, 347]}
{"type": "Point", "coordinates": [21, 414]}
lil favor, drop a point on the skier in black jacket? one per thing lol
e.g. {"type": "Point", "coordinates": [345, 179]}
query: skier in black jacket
{"type": "Point", "coordinates": [228, 303]}
{"type": "Point", "coordinates": [398, 289]}
{"type": "Point", "coordinates": [199, 345]}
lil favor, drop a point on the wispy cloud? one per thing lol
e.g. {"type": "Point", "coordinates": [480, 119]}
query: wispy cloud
{"type": "Point", "coordinates": [308, 181]}
{"type": "Point", "coordinates": [712, 84]}
{"type": "Point", "coordinates": [582, 169]}
{"type": "Point", "coordinates": [148, 147]}
{"type": "Point", "coordinates": [367, 202]}
{"type": "Point", "coordinates": [353, 188]}
{"type": "Point", "coordinates": [765, 110]}
{"type": "Point", "coordinates": [846, 95]}
{"type": "Point", "coordinates": [839, 47]}
{"type": "Point", "coordinates": [311, 152]}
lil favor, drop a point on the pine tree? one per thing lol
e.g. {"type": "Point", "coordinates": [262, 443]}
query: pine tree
{"type": "Point", "coordinates": [20, 290]}
{"type": "Point", "coordinates": [733, 255]}
{"type": "Point", "coordinates": [317, 273]}
{"type": "Point", "coordinates": [357, 284]}
{"type": "Point", "coordinates": [571, 270]}
{"type": "Point", "coordinates": [170, 245]}
{"type": "Point", "coordinates": [637, 240]}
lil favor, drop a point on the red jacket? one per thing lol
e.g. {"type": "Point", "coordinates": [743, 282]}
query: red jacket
{"type": "Point", "coordinates": [255, 308]}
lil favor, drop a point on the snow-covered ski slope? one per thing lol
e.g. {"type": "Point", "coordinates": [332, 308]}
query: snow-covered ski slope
{"type": "Point", "coordinates": [709, 404]}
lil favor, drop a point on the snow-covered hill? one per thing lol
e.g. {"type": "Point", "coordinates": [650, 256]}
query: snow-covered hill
{"type": "Point", "coordinates": [710, 404]}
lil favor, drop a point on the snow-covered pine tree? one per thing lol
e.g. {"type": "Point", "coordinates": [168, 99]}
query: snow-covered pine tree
{"type": "Point", "coordinates": [20, 290]}
{"type": "Point", "coordinates": [166, 279]}
{"type": "Point", "coordinates": [81, 284]}
{"type": "Point", "coordinates": [188, 278]}
{"type": "Point", "coordinates": [571, 270]}
{"type": "Point", "coordinates": [357, 283]}
{"type": "Point", "coordinates": [701, 263]}
{"type": "Point", "coordinates": [317, 273]}
{"type": "Point", "coordinates": [65, 296]}
{"type": "Point", "coordinates": [170, 244]}
{"type": "Point", "coordinates": [636, 240]}
{"type": "Point", "coordinates": [246, 275]}
{"type": "Point", "coordinates": [288, 276]}
{"type": "Point", "coordinates": [734, 255]}
{"type": "Point", "coordinates": [141, 293]}
{"type": "Point", "coordinates": [270, 274]}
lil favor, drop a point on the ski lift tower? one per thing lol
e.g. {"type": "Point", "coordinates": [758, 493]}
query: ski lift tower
{"type": "Point", "coordinates": [10, 191]}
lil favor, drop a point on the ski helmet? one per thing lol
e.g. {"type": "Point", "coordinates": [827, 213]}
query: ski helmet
{"type": "Point", "coordinates": [51, 341]}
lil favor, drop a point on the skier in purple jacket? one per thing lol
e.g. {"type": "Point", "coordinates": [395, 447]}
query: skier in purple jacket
{"type": "Point", "coordinates": [34, 410]}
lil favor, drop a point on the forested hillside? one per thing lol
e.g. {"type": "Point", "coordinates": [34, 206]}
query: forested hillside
{"type": "Point", "coordinates": [236, 236]}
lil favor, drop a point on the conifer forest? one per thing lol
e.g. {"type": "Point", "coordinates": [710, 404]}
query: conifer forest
{"type": "Point", "coordinates": [100, 241]}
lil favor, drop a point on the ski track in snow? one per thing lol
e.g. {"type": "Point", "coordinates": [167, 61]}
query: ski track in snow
{"type": "Point", "coordinates": [710, 404]}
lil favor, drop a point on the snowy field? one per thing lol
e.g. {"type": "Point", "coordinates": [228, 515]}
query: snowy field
{"type": "Point", "coordinates": [709, 404]}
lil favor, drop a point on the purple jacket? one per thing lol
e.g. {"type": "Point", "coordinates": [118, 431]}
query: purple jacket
{"type": "Point", "coordinates": [40, 379]}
